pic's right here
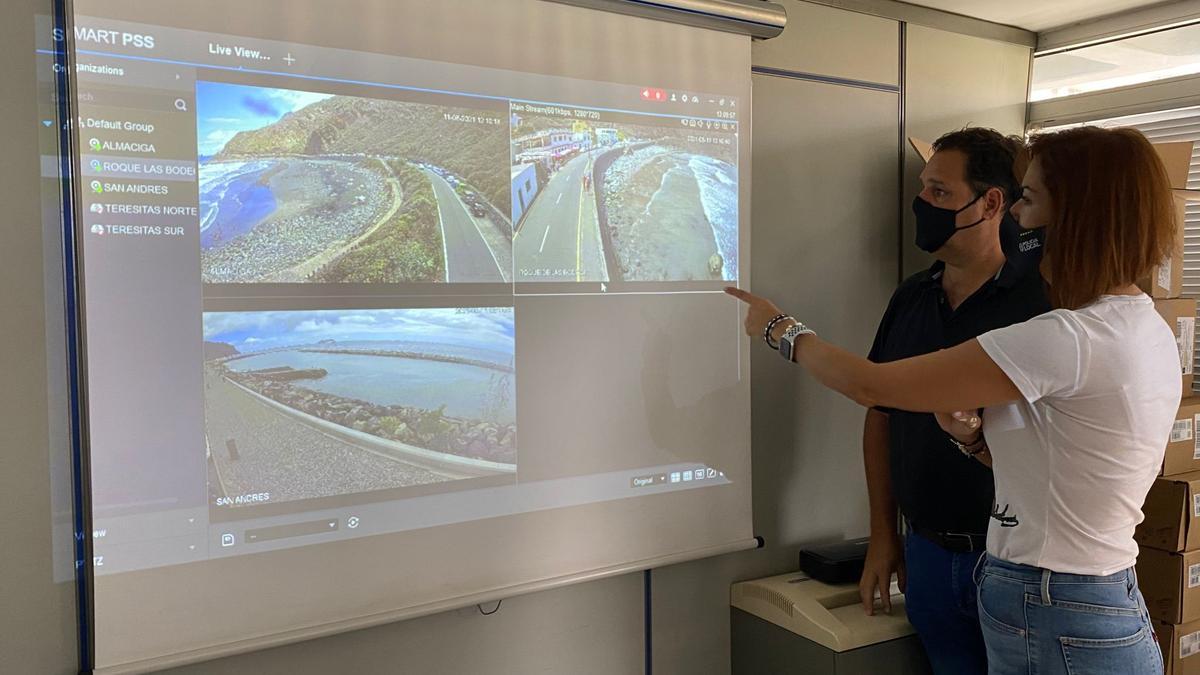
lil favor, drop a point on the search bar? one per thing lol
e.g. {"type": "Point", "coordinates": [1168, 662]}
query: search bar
{"type": "Point", "coordinates": [140, 99]}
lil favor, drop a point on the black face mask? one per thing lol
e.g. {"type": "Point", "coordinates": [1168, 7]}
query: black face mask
{"type": "Point", "coordinates": [935, 225]}
{"type": "Point", "coordinates": [1022, 248]}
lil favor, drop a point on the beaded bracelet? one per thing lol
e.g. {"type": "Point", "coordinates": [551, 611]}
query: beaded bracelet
{"type": "Point", "coordinates": [770, 327]}
{"type": "Point", "coordinates": [970, 449]}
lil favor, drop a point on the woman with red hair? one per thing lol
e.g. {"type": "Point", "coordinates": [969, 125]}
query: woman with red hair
{"type": "Point", "coordinates": [1073, 409]}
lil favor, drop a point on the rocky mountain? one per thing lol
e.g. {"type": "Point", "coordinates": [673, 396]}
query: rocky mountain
{"type": "Point", "coordinates": [218, 350]}
{"type": "Point", "coordinates": [447, 137]}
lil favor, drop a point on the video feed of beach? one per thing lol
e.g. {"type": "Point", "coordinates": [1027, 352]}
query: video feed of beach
{"type": "Point", "coordinates": [305, 404]}
{"type": "Point", "coordinates": [300, 186]}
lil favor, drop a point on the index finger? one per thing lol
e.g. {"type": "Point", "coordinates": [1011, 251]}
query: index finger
{"type": "Point", "coordinates": [744, 296]}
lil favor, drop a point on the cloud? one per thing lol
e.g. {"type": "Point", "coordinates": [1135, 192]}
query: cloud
{"type": "Point", "coordinates": [223, 323]}
{"type": "Point", "coordinates": [359, 318]}
{"type": "Point", "coordinates": [448, 326]}
{"type": "Point", "coordinates": [313, 326]}
{"type": "Point", "coordinates": [261, 106]}
{"type": "Point", "coordinates": [295, 98]}
{"type": "Point", "coordinates": [214, 140]}
{"type": "Point", "coordinates": [220, 136]}
{"type": "Point", "coordinates": [224, 120]}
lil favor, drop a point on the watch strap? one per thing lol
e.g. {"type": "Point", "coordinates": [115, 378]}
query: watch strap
{"type": "Point", "coordinates": [789, 338]}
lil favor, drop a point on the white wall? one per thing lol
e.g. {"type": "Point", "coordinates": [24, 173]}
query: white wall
{"type": "Point", "coordinates": [825, 238]}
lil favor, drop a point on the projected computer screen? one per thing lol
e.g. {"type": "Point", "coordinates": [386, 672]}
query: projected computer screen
{"type": "Point", "coordinates": [389, 308]}
{"type": "Point", "coordinates": [334, 293]}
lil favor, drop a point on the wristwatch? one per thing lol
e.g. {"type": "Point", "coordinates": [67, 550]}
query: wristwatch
{"type": "Point", "coordinates": [787, 343]}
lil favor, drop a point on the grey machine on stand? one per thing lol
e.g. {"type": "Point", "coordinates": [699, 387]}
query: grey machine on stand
{"type": "Point", "coordinates": [795, 624]}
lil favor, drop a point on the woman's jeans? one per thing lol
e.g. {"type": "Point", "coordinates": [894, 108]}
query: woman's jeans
{"type": "Point", "coordinates": [1038, 622]}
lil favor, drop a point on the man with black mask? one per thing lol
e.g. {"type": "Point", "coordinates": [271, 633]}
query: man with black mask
{"type": "Point", "coordinates": [986, 277]}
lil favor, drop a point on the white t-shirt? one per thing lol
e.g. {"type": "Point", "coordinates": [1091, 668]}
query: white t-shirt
{"type": "Point", "coordinates": [1074, 460]}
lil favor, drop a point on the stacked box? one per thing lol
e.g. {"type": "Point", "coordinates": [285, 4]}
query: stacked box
{"type": "Point", "coordinates": [1181, 647]}
{"type": "Point", "coordinates": [1169, 564]}
{"type": "Point", "coordinates": [1169, 536]}
{"type": "Point", "coordinates": [1183, 450]}
{"type": "Point", "coordinates": [1180, 315]}
{"type": "Point", "coordinates": [1165, 281]}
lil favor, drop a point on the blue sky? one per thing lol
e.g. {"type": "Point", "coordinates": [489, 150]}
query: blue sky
{"type": "Point", "coordinates": [222, 110]}
{"type": "Point", "coordinates": [491, 328]}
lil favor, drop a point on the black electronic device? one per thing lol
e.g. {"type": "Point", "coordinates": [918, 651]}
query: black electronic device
{"type": "Point", "coordinates": [839, 563]}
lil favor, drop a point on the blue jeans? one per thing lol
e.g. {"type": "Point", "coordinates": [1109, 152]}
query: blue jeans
{"type": "Point", "coordinates": [1038, 622]}
{"type": "Point", "coordinates": [940, 601]}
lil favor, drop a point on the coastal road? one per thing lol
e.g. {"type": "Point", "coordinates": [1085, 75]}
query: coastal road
{"type": "Point", "coordinates": [560, 238]}
{"type": "Point", "coordinates": [468, 256]}
{"type": "Point", "coordinates": [289, 459]}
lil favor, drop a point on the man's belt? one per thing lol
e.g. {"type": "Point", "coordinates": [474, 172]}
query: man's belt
{"type": "Point", "coordinates": [955, 542]}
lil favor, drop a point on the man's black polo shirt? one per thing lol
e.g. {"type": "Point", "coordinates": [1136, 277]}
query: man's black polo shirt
{"type": "Point", "coordinates": [935, 485]}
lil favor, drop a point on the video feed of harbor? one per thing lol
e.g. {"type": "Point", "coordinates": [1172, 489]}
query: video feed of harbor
{"type": "Point", "coordinates": [618, 197]}
{"type": "Point", "coordinates": [310, 404]}
{"type": "Point", "coordinates": [301, 186]}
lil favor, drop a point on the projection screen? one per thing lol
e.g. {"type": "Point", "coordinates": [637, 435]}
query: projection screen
{"type": "Point", "coordinates": [399, 307]}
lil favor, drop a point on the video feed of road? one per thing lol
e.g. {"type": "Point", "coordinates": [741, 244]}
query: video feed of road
{"type": "Point", "coordinates": [605, 197]}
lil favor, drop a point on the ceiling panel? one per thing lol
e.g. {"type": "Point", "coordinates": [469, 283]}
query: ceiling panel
{"type": "Point", "coordinates": [1034, 15]}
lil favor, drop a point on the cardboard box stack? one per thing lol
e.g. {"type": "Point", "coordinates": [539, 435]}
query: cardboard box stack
{"type": "Point", "coordinates": [1166, 280]}
{"type": "Point", "coordinates": [1168, 566]}
{"type": "Point", "coordinates": [1169, 563]}
{"type": "Point", "coordinates": [1179, 645]}
{"type": "Point", "coordinates": [1180, 315]}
